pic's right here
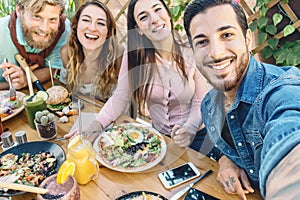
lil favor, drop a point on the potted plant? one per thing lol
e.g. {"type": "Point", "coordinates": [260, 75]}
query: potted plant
{"type": "Point", "coordinates": [45, 123]}
{"type": "Point", "coordinates": [277, 28]}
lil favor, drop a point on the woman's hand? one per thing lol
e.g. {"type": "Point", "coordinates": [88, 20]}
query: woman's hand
{"type": "Point", "coordinates": [91, 132]}
{"type": "Point", "coordinates": [233, 179]}
{"type": "Point", "coordinates": [71, 134]}
{"type": "Point", "coordinates": [182, 136]}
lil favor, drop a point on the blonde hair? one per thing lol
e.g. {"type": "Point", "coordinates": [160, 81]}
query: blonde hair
{"type": "Point", "coordinates": [107, 59]}
{"type": "Point", "coordinates": [37, 6]}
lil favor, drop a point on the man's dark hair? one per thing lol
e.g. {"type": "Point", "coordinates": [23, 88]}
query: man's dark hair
{"type": "Point", "coordinates": [200, 6]}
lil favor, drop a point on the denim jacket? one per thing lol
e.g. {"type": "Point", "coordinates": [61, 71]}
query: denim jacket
{"type": "Point", "coordinates": [264, 120]}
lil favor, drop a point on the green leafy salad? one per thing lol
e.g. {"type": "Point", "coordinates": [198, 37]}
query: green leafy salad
{"type": "Point", "coordinates": [129, 146]}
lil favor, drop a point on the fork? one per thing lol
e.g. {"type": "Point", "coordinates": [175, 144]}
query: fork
{"type": "Point", "coordinates": [12, 90]}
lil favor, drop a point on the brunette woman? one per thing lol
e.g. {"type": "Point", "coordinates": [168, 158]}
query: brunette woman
{"type": "Point", "coordinates": [92, 56]}
{"type": "Point", "coordinates": [158, 75]}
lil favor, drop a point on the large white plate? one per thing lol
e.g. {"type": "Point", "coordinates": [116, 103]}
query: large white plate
{"type": "Point", "coordinates": [133, 169]}
{"type": "Point", "coordinates": [20, 96]}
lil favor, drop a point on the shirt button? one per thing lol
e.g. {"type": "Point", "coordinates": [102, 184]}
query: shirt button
{"type": "Point", "coordinates": [251, 171]}
{"type": "Point", "coordinates": [240, 144]}
{"type": "Point", "coordinates": [231, 116]}
{"type": "Point", "coordinates": [252, 143]}
{"type": "Point", "coordinates": [212, 128]}
{"type": "Point", "coordinates": [216, 146]}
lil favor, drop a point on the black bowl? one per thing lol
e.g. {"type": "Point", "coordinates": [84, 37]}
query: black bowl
{"type": "Point", "coordinates": [139, 193]}
{"type": "Point", "coordinates": [34, 148]}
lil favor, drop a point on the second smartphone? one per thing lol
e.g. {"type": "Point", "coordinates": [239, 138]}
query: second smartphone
{"type": "Point", "coordinates": [178, 175]}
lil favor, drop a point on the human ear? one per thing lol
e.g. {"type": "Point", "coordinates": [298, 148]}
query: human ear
{"type": "Point", "coordinates": [249, 38]}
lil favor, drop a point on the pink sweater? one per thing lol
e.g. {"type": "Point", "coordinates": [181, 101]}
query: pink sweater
{"type": "Point", "coordinates": [171, 102]}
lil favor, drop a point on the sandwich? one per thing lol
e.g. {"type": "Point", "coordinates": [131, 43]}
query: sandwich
{"type": "Point", "coordinates": [58, 98]}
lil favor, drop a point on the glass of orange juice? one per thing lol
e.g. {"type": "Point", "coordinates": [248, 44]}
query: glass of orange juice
{"type": "Point", "coordinates": [83, 155]}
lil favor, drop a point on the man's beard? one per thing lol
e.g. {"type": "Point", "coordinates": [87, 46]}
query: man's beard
{"type": "Point", "coordinates": [37, 44]}
{"type": "Point", "coordinates": [243, 64]}
{"type": "Point", "coordinates": [228, 85]}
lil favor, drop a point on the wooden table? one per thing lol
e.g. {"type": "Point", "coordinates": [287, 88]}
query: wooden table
{"type": "Point", "coordinates": [112, 184]}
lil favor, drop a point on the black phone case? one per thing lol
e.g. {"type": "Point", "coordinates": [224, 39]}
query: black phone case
{"type": "Point", "coordinates": [194, 194]}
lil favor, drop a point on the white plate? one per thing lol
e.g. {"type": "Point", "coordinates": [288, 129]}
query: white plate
{"type": "Point", "coordinates": [139, 168]}
{"type": "Point", "coordinates": [20, 96]}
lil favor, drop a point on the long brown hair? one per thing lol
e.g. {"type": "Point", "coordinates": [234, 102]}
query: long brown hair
{"type": "Point", "coordinates": [141, 59]}
{"type": "Point", "coordinates": [107, 57]}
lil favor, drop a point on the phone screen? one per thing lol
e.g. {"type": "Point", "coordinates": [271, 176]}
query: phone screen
{"type": "Point", "coordinates": [179, 174]}
{"type": "Point", "coordinates": [194, 194]}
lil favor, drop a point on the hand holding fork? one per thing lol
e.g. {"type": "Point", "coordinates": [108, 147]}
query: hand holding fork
{"type": "Point", "coordinates": [12, 90]}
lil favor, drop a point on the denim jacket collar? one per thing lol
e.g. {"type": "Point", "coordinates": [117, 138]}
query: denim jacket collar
{"type": "Point", "coordinates": [251, 85]}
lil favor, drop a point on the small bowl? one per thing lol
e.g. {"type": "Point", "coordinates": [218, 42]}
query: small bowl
{"type": "Point", "coordinates": [48, 131]}
{"type": "Point", "coordinates": [66, 191]}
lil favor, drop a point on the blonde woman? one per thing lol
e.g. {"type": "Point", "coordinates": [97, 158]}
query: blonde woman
{"type": "Point", "coordinates": [92, 56]}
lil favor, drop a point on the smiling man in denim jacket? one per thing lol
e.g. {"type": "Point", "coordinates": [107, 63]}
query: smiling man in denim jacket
{"type": "Point", "coordinates": [253, 112]}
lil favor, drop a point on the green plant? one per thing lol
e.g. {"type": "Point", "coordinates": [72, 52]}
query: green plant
{"type": "Point", "coordinates": [70, 8]}
{"type": "Point", "coordinates": [6, 7]}
{"type": "Point", "coordinates": [284, 54]}
{"type": "Point", "coordinates": [177, 8]}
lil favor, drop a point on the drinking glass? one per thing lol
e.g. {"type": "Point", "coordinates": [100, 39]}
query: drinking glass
{"type": "Point", "coordinates": [32, 105]}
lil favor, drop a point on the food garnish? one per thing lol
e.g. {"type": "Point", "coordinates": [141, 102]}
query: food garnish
{"type": "Point", "coordinates": [66, 169]}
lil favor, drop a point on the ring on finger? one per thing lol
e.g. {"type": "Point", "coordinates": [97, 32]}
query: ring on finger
{"type": "Point", "coordinates": [227, 183]}
{"type": "Point", "coordinates": [232, 179]}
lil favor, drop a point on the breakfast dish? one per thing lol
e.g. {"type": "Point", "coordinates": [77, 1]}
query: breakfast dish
{"type": "Point", "coordinates": [29, 169]}
{"type": "Point", "coordinates": [40, 157]}
{"type": "Point", "coordinates": [130, 147]}
{"type": "Point", "coordinates": [141, 195]}
{"type": "Point", "coordinates": [9, 109]}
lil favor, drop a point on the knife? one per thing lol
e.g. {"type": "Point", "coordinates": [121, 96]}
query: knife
{"type": "Point", "coordinates": [36, 82]}
{"type": "Point", "coordinates": [178, 194]}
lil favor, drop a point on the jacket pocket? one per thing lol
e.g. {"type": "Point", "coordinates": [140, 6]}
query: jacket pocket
{"type": "Point", "coordinates": [254, 139]}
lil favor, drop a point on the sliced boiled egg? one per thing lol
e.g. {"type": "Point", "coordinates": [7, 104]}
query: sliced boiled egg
{"type": "Point", "coordinates": [135, 136]}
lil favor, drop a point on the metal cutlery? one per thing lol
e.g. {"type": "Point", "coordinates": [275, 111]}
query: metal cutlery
{"type": "Point", "coordinates": [184, 190]}
{"type": "Point", "coordinates": [12, 90]}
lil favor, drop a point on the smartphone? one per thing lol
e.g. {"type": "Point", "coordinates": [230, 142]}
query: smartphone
{"type": "Point", "coordinates": [194, 194]}
{"type": "Point", "coordinates": [178, 175]}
